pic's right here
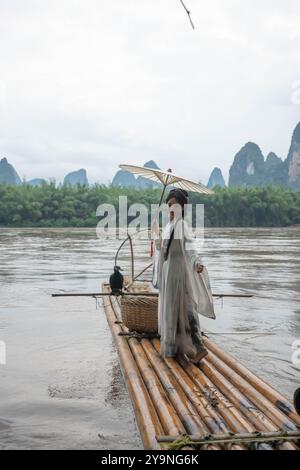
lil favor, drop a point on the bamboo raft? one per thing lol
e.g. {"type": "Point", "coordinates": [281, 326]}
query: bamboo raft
{"type": "Point", "coordinates": [216, 405]}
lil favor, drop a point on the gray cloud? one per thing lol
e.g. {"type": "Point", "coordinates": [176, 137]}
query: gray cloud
{"type": "Point", "coordinates": [95, 83]}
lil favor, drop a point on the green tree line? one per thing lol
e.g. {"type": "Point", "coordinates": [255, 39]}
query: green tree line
{"type": "Point", "coordinates": [65, 206]}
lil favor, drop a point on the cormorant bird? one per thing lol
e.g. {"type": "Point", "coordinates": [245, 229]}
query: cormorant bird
{"type": "Point", "coordinates": [116, 281]}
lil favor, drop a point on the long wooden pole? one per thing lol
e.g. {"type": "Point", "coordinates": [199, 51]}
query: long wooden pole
{"type": "Point", "coordinates": [144, 294]}
{"type": "Point", "coordinates": [106, 294]}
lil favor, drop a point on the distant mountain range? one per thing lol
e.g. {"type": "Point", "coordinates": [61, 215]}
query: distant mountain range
{"type": "Point", "coordinates": [249, 168]}
{"type": "Point", "coordinates": [8, 175]}
{"type": "Point", "coordinates": [76, 177]}
{"type": "Point", "coordinates": [127, 179]}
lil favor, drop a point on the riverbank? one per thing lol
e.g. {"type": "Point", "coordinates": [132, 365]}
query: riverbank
{"type": "Point", "coordinates": [65, 206]}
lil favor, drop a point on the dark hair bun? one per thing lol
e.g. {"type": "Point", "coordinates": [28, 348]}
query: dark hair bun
{"type": "Point", "coordinates": [178, 191]}
{"type": "Point", "coordinates": [179, 194]}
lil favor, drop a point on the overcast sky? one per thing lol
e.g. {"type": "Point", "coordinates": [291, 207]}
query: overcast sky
{"type": "Point", "coordinates": [95, 83]}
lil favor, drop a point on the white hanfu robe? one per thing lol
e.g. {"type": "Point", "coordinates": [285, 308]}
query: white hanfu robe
{"type": "Point", "coordinates": [183, 293]}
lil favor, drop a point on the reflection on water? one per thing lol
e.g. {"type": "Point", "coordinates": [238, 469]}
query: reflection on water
{"type": "Point", "coordinates": [62, 386]}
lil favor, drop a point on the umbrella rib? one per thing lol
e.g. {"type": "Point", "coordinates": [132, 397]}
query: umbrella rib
{"type": "Point", "coordinates": [167, 178]}
{"type": "Point", "coordinates": [160, 179]}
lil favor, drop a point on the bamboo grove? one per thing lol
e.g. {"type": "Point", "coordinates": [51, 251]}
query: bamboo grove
{"type": "Point", "coordinates": [50, 205]}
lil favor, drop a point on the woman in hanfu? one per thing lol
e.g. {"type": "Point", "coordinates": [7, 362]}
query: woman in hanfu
{"type": "Point", "coordinates": [183, 284]}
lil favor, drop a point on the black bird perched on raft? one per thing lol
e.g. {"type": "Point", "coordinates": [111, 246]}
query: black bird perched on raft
{"type": "Point", "coordinates": [116, 281]}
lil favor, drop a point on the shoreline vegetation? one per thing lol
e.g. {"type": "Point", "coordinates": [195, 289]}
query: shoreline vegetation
{"type": "Point", "coordinates": [53, 206]}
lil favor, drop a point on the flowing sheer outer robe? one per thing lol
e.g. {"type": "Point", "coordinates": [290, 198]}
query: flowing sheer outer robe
{"type": "Point", "coordinates": [183, 293]}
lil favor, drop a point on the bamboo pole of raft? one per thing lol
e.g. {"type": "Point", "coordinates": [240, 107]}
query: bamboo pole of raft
{"type": "Point", "coordinates": [149, 375]}
{"type": "Point", "coordinates": [165, 411]}
{"type": "Point", "coordinates": [261, 421]}
{"type": "Point", "coordinates": [164, 407]}
{"type": "Point", "coordinates": [241, 424]}
{"type": "Point", "coordinates": [277, 417]}
{"type": "Point", "coordinates": [185, 409]}
{"type": "Point", "coordinates": [145, 413]}
{"type": "Point", "coordinates": [230, 411]}
{"type": "Point", "coordinates": [245, 423]}
{"type": "Point", "coordinates": [213, 421]}
{"type": "Point", "coordinates": [232, 416]}
{"type": "Point", "coordinates": [273, 395]}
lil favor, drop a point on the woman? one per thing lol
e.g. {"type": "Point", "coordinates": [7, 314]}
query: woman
{"type": "Point", "coordinates": [183, 283]}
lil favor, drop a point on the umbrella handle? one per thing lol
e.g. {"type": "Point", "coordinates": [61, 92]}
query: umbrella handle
{"type": "Point", "coordinates": [163, 193]}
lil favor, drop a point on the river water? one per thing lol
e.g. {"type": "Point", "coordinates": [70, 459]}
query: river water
{"type": "Point", "coordinates": [61, 387]}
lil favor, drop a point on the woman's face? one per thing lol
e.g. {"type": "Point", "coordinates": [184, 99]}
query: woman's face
{"type": "Point", "coordinates": [174, 208]}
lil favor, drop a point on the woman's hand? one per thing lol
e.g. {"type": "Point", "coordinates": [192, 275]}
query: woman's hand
{"type": "Point", "coordinates": [199, 268]}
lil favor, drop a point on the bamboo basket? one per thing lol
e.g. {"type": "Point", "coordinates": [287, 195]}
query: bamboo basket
{"type": "Point", "coordinates": [140, 313]}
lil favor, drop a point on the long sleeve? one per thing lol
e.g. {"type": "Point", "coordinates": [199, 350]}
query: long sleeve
{"type": "Point", "coordinates": [190, 248]}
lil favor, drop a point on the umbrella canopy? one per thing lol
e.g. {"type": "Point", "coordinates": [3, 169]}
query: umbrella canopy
{"type": "Point", "coordinates": [167, 178]}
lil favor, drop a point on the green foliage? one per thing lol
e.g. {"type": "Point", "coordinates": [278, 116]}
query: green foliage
{"type": "Point", "coordinates": [65, 206]}
{"type": "Point", "coordinates": [267, 206]}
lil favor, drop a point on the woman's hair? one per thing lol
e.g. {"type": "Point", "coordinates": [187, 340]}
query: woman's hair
{"type": "Point", "coordinates": [180, 196]}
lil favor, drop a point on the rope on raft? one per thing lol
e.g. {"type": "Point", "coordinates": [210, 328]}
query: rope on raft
{"type": "Point", "coordinates": [230, 438]}
{"type": "Point", "coordinates": [181, 442]}
{"type": "Point", "coordinates": [138, 335]}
